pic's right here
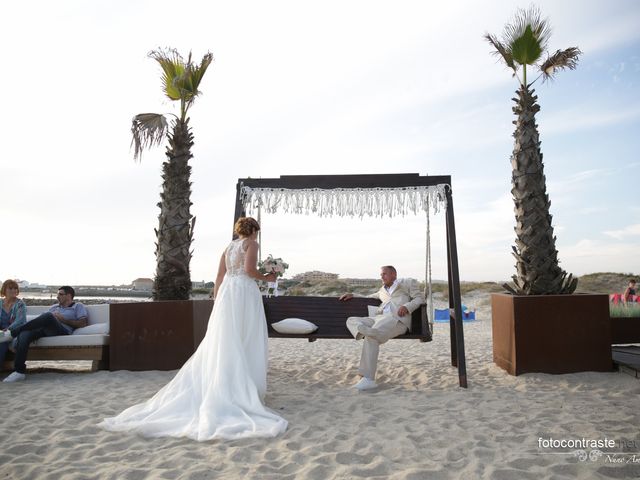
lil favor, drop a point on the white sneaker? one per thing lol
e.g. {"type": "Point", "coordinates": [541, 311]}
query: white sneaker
{"type": "Point", "coordinates": [365, 384]}
{"type": "Point", "coordinates": [15, 377]}
{"type": "Point", "coordinates": [5, 336]}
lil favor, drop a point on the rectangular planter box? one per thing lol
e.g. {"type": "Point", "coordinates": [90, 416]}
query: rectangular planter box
{"type": "Point", "coordinates": [156, 335]}
{"type": "Point", "coordinates": [551, 333]}
{"type": "Point", "coordinates": [625, 330]}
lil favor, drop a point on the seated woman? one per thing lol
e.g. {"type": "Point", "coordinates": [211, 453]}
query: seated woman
{"type": "Point", "coordinates": [13, 312]}
{"type": "Point", "coordinates": [630, 294]}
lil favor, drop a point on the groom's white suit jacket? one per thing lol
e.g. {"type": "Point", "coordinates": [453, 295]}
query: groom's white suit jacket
{"type": "Point", "coordinates": [405, 293]}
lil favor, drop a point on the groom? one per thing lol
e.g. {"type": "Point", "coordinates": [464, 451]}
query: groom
{"type": "Point", "coordinates": [399, 297]}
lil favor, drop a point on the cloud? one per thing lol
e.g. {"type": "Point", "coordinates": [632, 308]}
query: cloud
{"type": "Point", "coordinates": [629, 231]}
{"type": "Point", "coordinates": [588, 256]}
{"type": "Point", "coordinates": [591, 210]}
{"type": "Point", "coordinates": [576, 119]}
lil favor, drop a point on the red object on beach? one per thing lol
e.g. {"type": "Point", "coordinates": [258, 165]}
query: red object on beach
{"type": "Point", "coordinates": [617, 297]}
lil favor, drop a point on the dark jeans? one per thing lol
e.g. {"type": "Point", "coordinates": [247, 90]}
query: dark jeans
{"type": "Point", "coordinates": [4, 347]}
{"type": "Point", "coordinates": [46, 325]}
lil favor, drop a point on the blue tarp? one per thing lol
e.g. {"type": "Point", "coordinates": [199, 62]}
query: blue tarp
{"type": "Point", "coordinates": [442, 315]}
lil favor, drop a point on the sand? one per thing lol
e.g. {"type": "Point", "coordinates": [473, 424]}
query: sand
{"type": "Point", "coordinates": [417, 425]}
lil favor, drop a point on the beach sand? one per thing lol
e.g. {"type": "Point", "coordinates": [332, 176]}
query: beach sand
{"type": "Point", "coordinates": [417, 425]}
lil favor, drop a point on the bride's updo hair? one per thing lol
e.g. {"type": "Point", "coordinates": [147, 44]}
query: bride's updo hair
{"type": "Point", "coordinates": [245, 226]}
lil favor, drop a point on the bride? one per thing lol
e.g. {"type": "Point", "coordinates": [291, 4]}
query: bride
{"type": "Point", "coordinates": [219, 392]}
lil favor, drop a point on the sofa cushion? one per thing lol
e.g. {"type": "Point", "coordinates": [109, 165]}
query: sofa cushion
{"type": "Point", "coordinates": [96, 328]}
{"type": "Point", "coordinates": [72, 341]}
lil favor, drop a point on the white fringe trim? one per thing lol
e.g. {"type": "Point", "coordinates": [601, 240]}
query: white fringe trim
{"type": "Point", "coordinates": [351, 202]}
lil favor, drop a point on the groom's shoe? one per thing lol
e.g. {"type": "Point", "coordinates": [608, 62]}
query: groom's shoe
{"type": "Point", "coordinates": [369, 332]}
{"type": "Point", "coordinates": [365, 384]}
{"type": "Point", "coordinates": [14, 377]}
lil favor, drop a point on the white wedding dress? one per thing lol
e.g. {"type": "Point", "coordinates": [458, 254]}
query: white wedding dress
{"type": "Point", "coordinates": [218, 392]}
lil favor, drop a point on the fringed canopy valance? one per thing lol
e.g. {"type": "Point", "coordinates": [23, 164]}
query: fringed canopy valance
{"type": "Point", "coordinates": [350, 202]}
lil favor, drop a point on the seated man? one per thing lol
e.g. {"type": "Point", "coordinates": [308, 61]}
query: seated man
{"type": "Point", "coordinates": [61, 319]}
{"type": "Point", "coordinates": [399, 297]}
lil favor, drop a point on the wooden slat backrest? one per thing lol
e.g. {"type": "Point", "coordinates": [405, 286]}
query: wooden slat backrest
{"type": "Point", "coordinates": [330, 315]}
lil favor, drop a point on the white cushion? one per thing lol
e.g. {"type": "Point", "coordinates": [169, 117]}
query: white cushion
{"type": "Point", "coordinates": [96, 328]}
{"type": "Point", "coordinates": [98, 313]}
{"type": "Point", "coordinates": [295, 326]}
{"type": "Point", "coordinates": [72, 341]}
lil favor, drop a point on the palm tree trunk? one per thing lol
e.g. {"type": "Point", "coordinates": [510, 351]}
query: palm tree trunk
{"type": "Point", "coordinates": [537, 265]}
{"type": "Point", "coordinates": [175, 229]}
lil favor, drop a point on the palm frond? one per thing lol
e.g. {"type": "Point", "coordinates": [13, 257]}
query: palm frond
{"type": "Point", "coordinates": [181, 79]}
{"type": "Point", "coordinates": [526, 49]}
{"type": "Point", "coordinates": [502, 51]}
{"type": "Point", "coordinates": [147, 129]}
{"type": "Point", "coordinates": [189, 81]}
{"type": "Point", "coordinates": [173, 68]}
{"type": "Point", "coordinates": [532, 19]}
{"type": "Point", "coordinates": [198, 71]}
{"type": "Point", "coordinates": [559, 61]}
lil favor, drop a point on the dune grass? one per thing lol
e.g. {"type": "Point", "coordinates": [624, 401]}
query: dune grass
{"type": "Point", "coordinates": [628, 310]}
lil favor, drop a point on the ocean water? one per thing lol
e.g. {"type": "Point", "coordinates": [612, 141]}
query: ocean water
{"type": "Point", "coordinates": [80, 298]}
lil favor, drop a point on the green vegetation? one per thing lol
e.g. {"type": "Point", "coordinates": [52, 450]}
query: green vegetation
{"type": "Point", "coordinates": [206, 291]}
{"type": "Point", "coordinates": [604, 282]}
{"type": "Point", "coordinates": [628, 310]}
{"type": "Point", "coordinates": [466, 287]}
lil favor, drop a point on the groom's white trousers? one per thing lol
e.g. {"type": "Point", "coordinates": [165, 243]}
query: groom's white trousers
{"type": "Point", "coordinates": [386, 327]}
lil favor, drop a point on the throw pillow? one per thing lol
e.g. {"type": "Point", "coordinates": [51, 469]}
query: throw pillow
{"type": "Point", "coordinates": [296, 326]}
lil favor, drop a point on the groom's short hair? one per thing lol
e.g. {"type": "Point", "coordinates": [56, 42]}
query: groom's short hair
{"type": "Point", "coordinates": [390, 267]}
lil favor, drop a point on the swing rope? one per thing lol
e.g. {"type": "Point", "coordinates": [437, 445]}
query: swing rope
{"type": "Point", "coordinates": [427, 273]}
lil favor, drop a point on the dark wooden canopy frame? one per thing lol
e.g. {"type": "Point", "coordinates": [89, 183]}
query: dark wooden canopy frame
{"type": "Point", "coordinates": [386, 181]}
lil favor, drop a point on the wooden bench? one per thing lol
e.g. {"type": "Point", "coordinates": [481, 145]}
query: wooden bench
{"type": "Point", "coordinates": [330, 315]}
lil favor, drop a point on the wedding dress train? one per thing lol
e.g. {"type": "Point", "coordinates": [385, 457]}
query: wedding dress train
{"type": "Point", "coordinates": [218, 393]}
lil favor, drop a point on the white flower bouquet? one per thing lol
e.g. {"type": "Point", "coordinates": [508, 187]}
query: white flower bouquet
{"type": "Point", "coordinates": [272, 265]}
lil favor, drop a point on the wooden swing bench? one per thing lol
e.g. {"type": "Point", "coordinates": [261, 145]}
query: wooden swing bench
{"type": "Point", "coordinates": [330, 315]}
{"type": "Point", "coordinates": [329, 195]}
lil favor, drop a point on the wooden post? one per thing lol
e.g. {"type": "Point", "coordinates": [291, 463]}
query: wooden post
{"type": "Point", "coordinates": [452, 327]}
{"type": "Point", "coordinates": [239, 209]}
{"type": "Point", "coordinates": [454, 287]}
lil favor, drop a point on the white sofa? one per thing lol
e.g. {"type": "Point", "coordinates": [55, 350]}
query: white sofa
{"type": "Point", "coordinates": [87, 343]}
{"type": "Point", "coordinates": [94, 334]}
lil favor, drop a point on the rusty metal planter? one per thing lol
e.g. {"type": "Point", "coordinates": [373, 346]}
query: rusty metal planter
{"type": "Point", "coordinates": [156, 335]}
{"type": "Point", "coordinates": [551, 333]}
{"type": "Point", "coordinates": [625, 330]}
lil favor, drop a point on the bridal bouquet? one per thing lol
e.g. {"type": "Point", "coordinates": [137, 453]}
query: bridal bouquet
{"type": "Point", "coordinates": [272, 265]}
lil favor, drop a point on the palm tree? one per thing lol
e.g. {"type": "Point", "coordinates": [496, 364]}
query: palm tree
{"type": "Point", "coordinates": [524, 43]}
{"type": "Point", "coordinates": [180, 82]}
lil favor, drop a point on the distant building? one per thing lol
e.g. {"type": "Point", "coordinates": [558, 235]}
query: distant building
{"type": "Point", "coordinates": [315, 276]}
{"type": "Point", "coordinates": [201, 284]}
{"type": "Point", "coordinates": [142, 284]}
{"type": "Point", "coordinates": [362, 282]}
{"type": "Point", "coordinates": [24, 285]}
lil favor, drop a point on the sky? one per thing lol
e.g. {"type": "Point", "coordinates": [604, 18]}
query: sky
{"type": "Point", "coordinates": [310, 88]}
